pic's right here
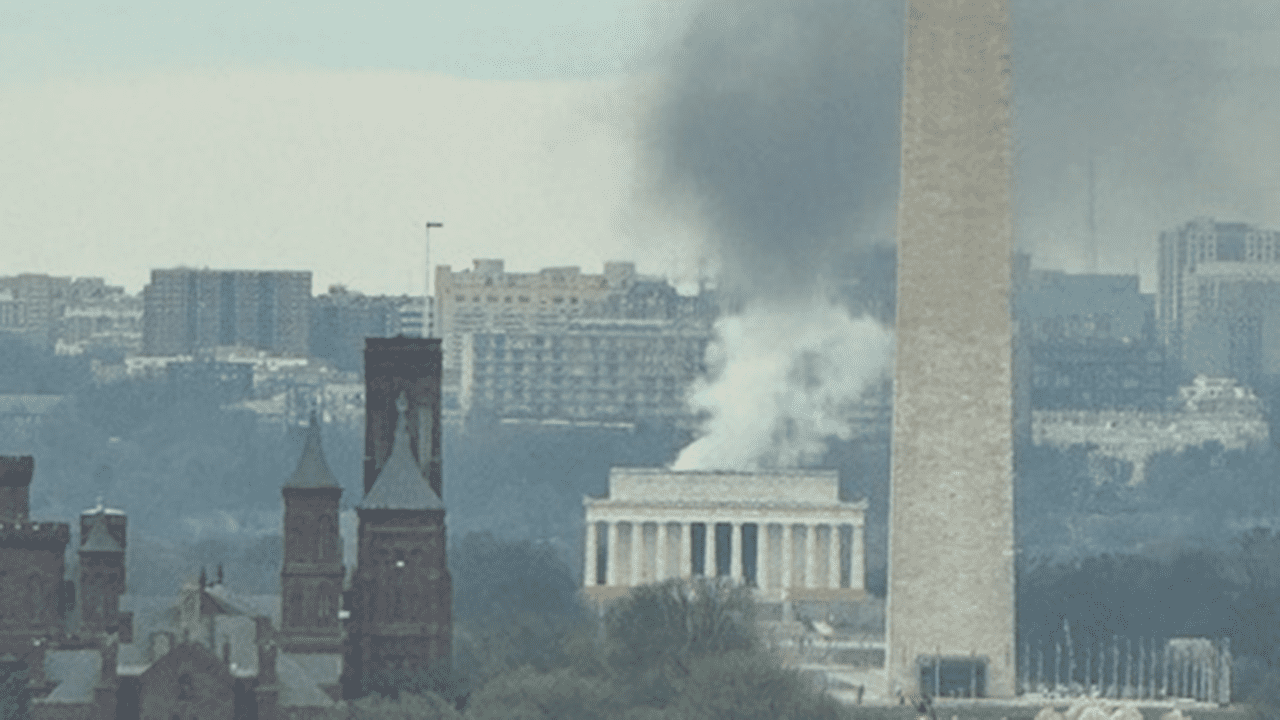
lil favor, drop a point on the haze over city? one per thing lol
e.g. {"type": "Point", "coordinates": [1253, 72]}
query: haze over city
{"type": "Point", "coordinates": [762, 360]}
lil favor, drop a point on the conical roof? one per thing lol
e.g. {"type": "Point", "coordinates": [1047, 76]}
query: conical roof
{"type": "Point", "coordinates": [401, 485]}
{"type": "Point", "coordinates": [99, 539]}
{"type": "Point", "coordinates": [312, 472]}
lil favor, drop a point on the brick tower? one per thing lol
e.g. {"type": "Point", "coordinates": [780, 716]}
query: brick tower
{"type": "Point", "coordinates": [950, 609]}
{"type": "Point", "coordinates": [311, 577]}
{"type": "Point", "coordinates": [403, 591]}
{"type": "Point", "coordinates": [410, 367]}
{"type": "Point", "coordinates": [33, 596]}
{"type": "Point", "coordinates": [102, 569]}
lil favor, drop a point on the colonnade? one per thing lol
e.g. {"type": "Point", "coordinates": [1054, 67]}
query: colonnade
{"type": "Point", "coordinates": [775, 553]}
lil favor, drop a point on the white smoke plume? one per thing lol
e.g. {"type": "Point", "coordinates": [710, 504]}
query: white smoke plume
{"type": "Point", "coordinates": [784, 378]}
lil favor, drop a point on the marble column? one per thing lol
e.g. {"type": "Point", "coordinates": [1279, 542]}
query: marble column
{"type": "Point", "coordinates": [614, 553]}
{"type": "Point", "coordinates": [735, 552]}
{"type": "Point", "coordinates": [637, 552]}
{"type": "Point", "coordinates": [760, 540]}
{"type": "Point", "coordinates": [833, 556]}
{"type": "Point", "coordinates": [686, 550]}
{"type": "Point", "coordinates": [660, 553]}
{"type": "Point", "coordinates": [709, 550]}
{"type": "Point", "coordinates": [857, 567]}
{"type": "Point", "coordinates": [589, 562]}
{"type": "Point", "coordinates": [810, 555]}
{"type": "Point", "coordinates": [788, 553]}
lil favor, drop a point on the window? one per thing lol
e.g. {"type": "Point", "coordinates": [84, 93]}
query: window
{"type": "Point", "coordinates": [185, 691]}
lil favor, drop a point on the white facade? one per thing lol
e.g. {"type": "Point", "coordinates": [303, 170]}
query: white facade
{"type": "Point", "coordinates": [1213, 409]}
{"type": "Point", "coordinates": [784, 532]}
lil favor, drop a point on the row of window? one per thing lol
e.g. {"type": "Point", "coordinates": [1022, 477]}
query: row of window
{"type": "Point", "coordinates": [558, 299]}
{"type": "Point", "coordinates": [630, 383]}
{"type": "Point", "coordinates": [516, 398]}
{"type": "Point", "coordinates": [644, 370]}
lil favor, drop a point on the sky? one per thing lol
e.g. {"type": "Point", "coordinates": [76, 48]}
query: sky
{"type": "Point", "coordinates": [137, 134]}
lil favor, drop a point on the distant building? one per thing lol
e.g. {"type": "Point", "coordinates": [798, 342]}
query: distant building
{"type": "Point", "coordinates": [560, 345]}
{"type": "Point", "coordinates": [1219, 299]}
{"type": "Point", "coordinates": [111, 319]}
{"type": "Point", "coordinates": [785, 533]}
{"type": "Point", "coordinates": [342, 319]}
{"type": "Point", "coordinates": [1211, 410]}
{"type": "Point", "coordinates": [591, 370]}
{"type": "Point", "coordinates": [1090, 341]}
{"type": "Point", "coordinates": [189, 311]}
{"type": "Point", "coordinates": [72, 313]}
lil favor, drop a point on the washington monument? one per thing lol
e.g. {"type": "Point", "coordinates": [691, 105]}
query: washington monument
{"type": "Point", "coordinates": [950, 615]}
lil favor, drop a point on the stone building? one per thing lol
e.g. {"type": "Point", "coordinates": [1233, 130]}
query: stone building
{"type": "Point", "coordinates": [785, 533]}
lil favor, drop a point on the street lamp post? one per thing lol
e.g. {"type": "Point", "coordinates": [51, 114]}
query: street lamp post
{"type": "Point", "coordinates": [427, 314]}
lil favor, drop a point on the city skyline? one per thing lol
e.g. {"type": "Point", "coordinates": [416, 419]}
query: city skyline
{"type": "Point", "coordinates": [267, 139]}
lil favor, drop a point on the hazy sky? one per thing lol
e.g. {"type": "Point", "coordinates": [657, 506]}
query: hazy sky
{"type": "Point", "coordinates": [139, 134]}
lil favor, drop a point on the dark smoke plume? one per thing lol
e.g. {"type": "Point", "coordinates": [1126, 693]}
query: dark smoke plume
{"type": "Point", "coordinates": [780, 121]}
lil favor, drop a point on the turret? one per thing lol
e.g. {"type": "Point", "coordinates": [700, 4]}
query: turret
{"type": "Point", "coordinates": [102, 568]}
{"type": "Point", "coordinates": [311, 577]}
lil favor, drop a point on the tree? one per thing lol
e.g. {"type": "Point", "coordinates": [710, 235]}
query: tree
{"type": "Point", "coordinates": [744, 685]}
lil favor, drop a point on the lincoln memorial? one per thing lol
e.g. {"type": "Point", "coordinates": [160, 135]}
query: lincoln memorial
{"type": "Point", "coordinates": [785, 533]}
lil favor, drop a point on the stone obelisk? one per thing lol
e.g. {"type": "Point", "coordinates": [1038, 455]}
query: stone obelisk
{"type": "Point", "coordinates": [951, 539]}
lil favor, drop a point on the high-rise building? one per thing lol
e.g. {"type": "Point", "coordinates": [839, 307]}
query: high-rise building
{"type": "Point", "coordinates": [69, 311]}
{"type": "Point", "coordinates": [559, 345]}
{"type": "Point", "coordinates": [342, 319]}
{"type": "Point", "coordinates": [950, 605]}
{"type": "Point", "coordinates": [189, 311]}
{"type": "Point", "coordinates": [1091, 342]}
{"type": "Point", "coordinates": [1219, 300]}
{"type": "Point", "coordinates": [487, 299]}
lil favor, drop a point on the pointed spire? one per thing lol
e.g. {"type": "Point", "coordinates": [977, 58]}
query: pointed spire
{"type": "Point", "coordinates": [99, 540]}
{"type": "Point", "coordinates": [312, 470]}
{"type": "Point", "coordinates": [400, 484]}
